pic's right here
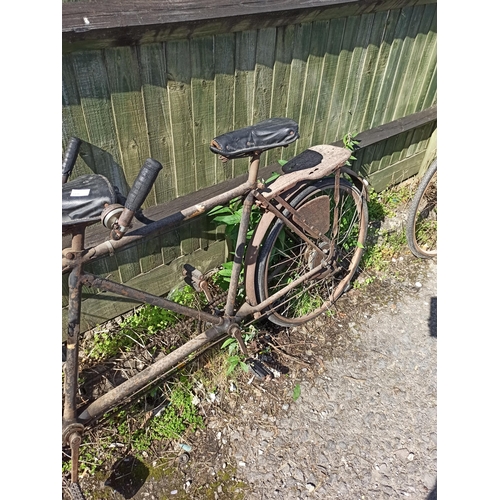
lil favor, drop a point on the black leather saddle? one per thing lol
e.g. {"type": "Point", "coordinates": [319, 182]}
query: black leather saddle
{"type": "Point", "coordinates": [84, 199]}
{"type": "Point", "coordinates": [262, 136]}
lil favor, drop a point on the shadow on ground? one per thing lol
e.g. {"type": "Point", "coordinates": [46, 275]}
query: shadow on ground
{"type": "Point", "coordinates": [128, 476]}
{"type": "Point", "coordinates": [433, 317]}
{"type": "Point", "coordinates": [433, 494]}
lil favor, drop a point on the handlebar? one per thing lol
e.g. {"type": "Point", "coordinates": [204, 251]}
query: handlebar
{"type": "Point", "coordinates": [70, 157]}
{"type": "Point", "coordinates": [138, 193]}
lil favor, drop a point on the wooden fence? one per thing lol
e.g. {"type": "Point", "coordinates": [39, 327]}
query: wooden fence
{"type": "Point", "coordinates": [150, 79]}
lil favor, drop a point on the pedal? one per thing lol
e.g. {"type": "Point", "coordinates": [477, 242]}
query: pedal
{"type": "Point", "coordinates": [275, 366]}
{"type": "Point", "coordinates": [259, 369]}
{"type": "Point", "coordinates": [76, 492]}
{"type": "Point", "coordinates": [195, 279]}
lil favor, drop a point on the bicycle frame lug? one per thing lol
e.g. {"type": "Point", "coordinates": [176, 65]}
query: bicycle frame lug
{"type": "Point", "coordinates": [68, 254]}
{"type": "Point", "coordinates": [69, 430]}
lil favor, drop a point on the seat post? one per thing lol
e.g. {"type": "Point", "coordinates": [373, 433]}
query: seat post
{"type": "Point", "coordinates": [254, 168]}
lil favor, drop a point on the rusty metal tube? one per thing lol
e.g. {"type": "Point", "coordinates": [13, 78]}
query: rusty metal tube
{"type": "Point", "coordinates": [239, 253]}
{"type": "Point", "coordinates": [140, 296]}
{"type": "Point", "coordinates": [153, 372]}
{"type": "Point", "coordinates": [71, 366]}
{"type": "Point", "coordinates": [169, 222]}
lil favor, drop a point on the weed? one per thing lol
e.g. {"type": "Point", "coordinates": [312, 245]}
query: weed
{"type": "Point", "coordinates": [350, 143]}
{"type": "Point", "coordinates": [234, 359]}
{"type": "Point", "coordinates": [390, 245]}
{"type": "Point", "coordinates": [234, 362]}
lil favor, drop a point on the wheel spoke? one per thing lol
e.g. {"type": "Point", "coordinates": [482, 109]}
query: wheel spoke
{"type": "Point", "coordinates": [285, 257]}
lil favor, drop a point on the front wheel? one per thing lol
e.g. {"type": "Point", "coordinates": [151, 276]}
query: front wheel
{"type": "Point", "coordinates": [421, 227]}
{"type": "Point", "coordinates": [284, 256]}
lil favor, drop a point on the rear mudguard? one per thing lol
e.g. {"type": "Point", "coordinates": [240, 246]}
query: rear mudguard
{"type": "Point", "coordinates": [315, 163]}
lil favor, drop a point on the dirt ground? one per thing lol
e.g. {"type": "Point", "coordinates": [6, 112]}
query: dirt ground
{"type": "Point", "coordinates": [354, 417]}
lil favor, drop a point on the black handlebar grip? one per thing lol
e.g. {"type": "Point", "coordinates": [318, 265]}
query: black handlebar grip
{"type": "Point", "coordinates": [143, 184]}
{"type": "Point", "coordinates": [70, 156]}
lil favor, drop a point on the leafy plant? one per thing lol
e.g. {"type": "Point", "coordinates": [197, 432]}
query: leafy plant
{"type": "Point", "coordinates": [177, 417]}
{"type": "Point", "coordinates": [234, 356]}
{"type": "Point", "coordinates": [350, 143]}
{"type": "Point", "coordinates": [234, 362]}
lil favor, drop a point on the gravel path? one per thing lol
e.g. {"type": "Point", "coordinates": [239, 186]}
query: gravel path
{"type": "Point", "coordinates": [365, 428]}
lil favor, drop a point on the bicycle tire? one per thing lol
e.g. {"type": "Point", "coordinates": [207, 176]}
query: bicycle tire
{"type": "Point", "coordinates": [421, 226]}
{"type": "Point", "coordinates": [274, 268]}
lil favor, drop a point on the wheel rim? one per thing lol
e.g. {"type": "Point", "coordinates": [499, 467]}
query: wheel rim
{"type": "Point", "coordinates": [425, 224]}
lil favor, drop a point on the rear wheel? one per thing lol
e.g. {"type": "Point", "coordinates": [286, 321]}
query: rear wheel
{"type": "Point", "coordinates": [284, 256]}
{"type": "Point", "coordinates": [421, 227]}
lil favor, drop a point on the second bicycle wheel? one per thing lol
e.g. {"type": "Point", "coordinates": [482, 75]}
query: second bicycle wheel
{"type": "Point", "coordinates": [421, 227]}
{"type": "Point", "coordinates": [285, 257]}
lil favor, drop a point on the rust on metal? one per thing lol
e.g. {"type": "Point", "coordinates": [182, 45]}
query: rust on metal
{"type": "Point", "coordinates": [314, 163]}
{"type": "Point", "coordinates": [313, 213]}
{"type": "Point", "coordinates": [151, 373]}
{"type": "Point", "coordinates": [199, 209]}
{"type": "Point", "coordinates": [148, 298]}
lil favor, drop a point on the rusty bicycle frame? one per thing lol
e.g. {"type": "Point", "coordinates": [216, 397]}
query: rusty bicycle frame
{"type": "Point", "coordinates": [318, 162]}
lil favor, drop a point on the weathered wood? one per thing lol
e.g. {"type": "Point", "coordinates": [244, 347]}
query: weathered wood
{"type": "Point", "coordinates": [396, 173]}
{"type": "Point", "coordinates": [370, 116]}
{"type": "Point", "coordinates": [202, 89]}
{"type": "Point", "coordinates": [281, 83]}
{"type": "Point", "coordinates": [341, 76]}
{"type": "Point", "coordinates": [313, 77]}
{"type": "Point", "coordinates": [87, 25]}
{"type": "Point", "coordinates": [322, 133]}
{"type": "Point", "coordinates": [367, 72]}
{"type": "Point", "coordinates": [263, 82]}
{"type": "Point", "coordinates": [415, 72]}
{"type": "Point", "coordinates": [125, 84]}
{"type": "Point", "coordinates": [96, 106]}
{"type": "Point", "coordinates": [430, 153]}
{"type": "Point", "coordinates": [396, 127]}
{"type": "Point", "coordinates": [357, 48]}
{"type": "Point", "coordinates": [298, 66]}
{"type": "Point", "coordinates": [246, 42]}
{"type": "Point", "coordinates": [224, 81]}
{"type": "Point", "coordinates": [153, 67]}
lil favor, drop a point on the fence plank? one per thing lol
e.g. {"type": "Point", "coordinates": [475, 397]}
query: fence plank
{"type": "Point", "coordinates": [298, 66]}
{"type": "Point", "coordinates": [322, 133]}
{"type": "Point", "coordinates": [179, 93]}
{"type": "Point", "coordinates": [353, 76]}
{"type": "Point", "coordinates": [224, 82]}
{"type": "Point", "coordinates": [281, 82]}
{"type": "Point", "coordinates": [96, 106]}
{"type": "Point", "coordinates": [312, 81]}
{"type": "Point", "coordinates": [128, 112]}
{"type": "Point", "coordinates": [153, 68]}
